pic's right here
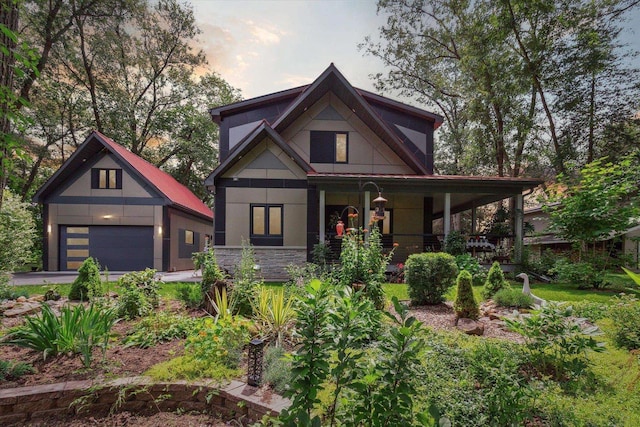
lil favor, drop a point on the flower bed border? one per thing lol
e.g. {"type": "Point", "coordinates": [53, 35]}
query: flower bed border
{"type": "Point", "coordinates": [140, 394]}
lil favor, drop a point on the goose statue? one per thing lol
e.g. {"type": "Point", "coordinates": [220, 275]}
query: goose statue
{"type": "Point", "coordinates": [526, 289]}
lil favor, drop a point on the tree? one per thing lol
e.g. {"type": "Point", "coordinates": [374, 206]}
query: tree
{"type": "Point", "coordinates": [601, 202]}
{"type": "Point", "coordinates": [17, 233]}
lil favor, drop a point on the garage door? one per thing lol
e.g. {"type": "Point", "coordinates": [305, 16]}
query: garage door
{"type": "Point", "coordinates": [118, 248]}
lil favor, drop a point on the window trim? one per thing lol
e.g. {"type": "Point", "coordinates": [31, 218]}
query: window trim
{"type": "Point", "coordinates": [95, 178]}
{"type": "Point", "coordinates": [266, 239]}
{"type": "Point", "coordinates": [324, 147]}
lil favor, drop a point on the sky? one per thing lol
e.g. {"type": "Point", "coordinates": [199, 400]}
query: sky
{"type": "Point", "coordinates": [261, 47]}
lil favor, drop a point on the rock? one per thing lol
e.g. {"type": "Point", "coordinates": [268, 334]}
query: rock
{"type": "Point", "coordinates": [493, 315]}
{"type": "Point", "coordinates": [36, 298]}
{"type": "Point", "coordinates": [470, 327]}
{"type": "Point", "coordinates": [22, 299]}
{"type": "Point", "coordinates": [23, 309]}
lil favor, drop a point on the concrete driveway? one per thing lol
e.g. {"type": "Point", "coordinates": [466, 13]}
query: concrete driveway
{"type": "Point", "coordinates": [51, 277]}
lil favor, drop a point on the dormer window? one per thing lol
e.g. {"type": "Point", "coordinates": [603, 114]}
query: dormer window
{"type": "Point", "coordinates": [108, 179]}
{"type": "Point", "coordinates": [329, 147]}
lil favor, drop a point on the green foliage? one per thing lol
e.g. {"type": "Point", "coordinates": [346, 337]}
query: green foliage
{"type": "Point", "coordinates": [277, 369]}
{"type": "Point", "coordinates": [593, 311]}
{"type": "Point", "coordinates": [88, 284]}
{"type": "Point", "coordinates": [634, 276]}
{"type": "Point", "coordinates": [455, 243]}
{"type": "Point", "coordinates": [625, 313]}
{"type": "Point", "coordinates": [220, 340]}
{"type": "Point", "coordinates": [17, 232]}
{"type": "Point", "coordinates": [583, 274]}
{"type": "Point", "coordinates": [469, 263]}
{"type": "Point", "coordinates": [9, 292]}
{"type": "Point", "coordinates": [364, 262]}
{"type": "Point", "coordinates": [190, 294]}
{"type": "Point", "coordinates": [11, 370]}
{"type": "Point", "coordinates": [542, 265]}
{"type": "Point", "coordinates": [246, 281]}
{"type": "Point", "coordinates": [78, 330]}
{"type": "Point", "coordinates": [321, 255]}
{"type": "Point", "coordinates": [509, 297]}
{"type": "Point", "coordinates": [159, 327]}
{"type": "Point", "coordinates": [139, 293]}
{"type": "Point", "coordinates": [191, 368]}
{"type": "Point", "coordinates": [495, 281]}
{"type": "Point", "coordinates": [465, 304]}
{"type": "Point", "coordinates": [556, 344]}
{"type": "Point", "coordinates": [429, 276]}
{"type": "Point", "coordinates": [211, 272]}
{"type": "Point", "coordinates": [273, 312]}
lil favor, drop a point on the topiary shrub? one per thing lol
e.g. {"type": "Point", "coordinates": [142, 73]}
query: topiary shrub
{"type": "Point", "coordinates": [429, 275]}
{"type": "Point", "coordinates": [509, 297]}
{"type": "Point", "coordinates": [88, 283]}
{"type": "Point", "coordinates": [495, 281]}
{"type": "Point", "coordinates": [465, 304]}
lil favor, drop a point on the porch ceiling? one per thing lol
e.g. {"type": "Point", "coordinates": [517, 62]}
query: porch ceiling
{"type": "Point", "coordinates": [466, 191]}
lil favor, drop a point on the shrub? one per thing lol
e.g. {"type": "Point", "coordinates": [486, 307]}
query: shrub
{"type": "Point", "coordinates": [211, 272]}
{"type": "Point", "coordinates": [429, 276]}
{"type": "Point", "coordinates": [7, 291]}
{"type": "Point", "coordinates": [190, 368]}
{"type": "Point", "coordinates": [590, 310]}
{"type": "Point", "coordinates": [471, 264]}
{"type": "Point", "coordinates": [556, 344]}
{"type": "Point", "coordinates": [625, 313]}
{"type": "Point", "coordinates": [508, 297]}
{"type": "Point", "coordinates": [455, 243]}
{"type": "Point", "coordinates": [88, 284]}
{"type": "Point", "coordinates": [78, 330]}
{"type": "Point", "coordinates": [221, 340]}
{"type": "Point", "coordinates": [10, 370]}
{"type": "Point", "coordinates": [277, 369]}
{"type": "Point", "coordinates": [583, 274]}
{"type": "Point", "coordinates": [138, 293]}
{"type": "Point", "coordinates": [465, 304]}
{"type": "Point", "coordinates": [17, 232]}
{"type": "Point", "coordinates": [495, 281]}
{"type": "Point", "coordinates": [159, 327]}
{"type": "Point", "coordinates": [246, 281]}
{"type": "Point", "coordinates": [189, 294]}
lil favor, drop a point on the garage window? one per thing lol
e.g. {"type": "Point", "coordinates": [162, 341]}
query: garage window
{"type": "Point", "coordinates": [188, 244]}
{"type": "Point", "coordinates": [107, 179]}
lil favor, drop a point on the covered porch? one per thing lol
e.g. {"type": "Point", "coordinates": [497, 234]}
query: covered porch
{"type": "Point", "coordinates": [414, 204]}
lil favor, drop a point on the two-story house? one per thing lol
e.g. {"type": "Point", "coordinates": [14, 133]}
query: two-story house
{"type": "Point", "coordinates": [294, 162]}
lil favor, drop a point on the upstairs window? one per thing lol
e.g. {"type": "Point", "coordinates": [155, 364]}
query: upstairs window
{"type": "Point", "coordinates": [110, 179]}
{"type": "Point", "coordinates": [266, 225]}
{"type": "Point", "coordinates": [329, 147]}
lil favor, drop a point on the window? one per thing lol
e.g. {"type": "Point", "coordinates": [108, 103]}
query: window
{"type": "Point", "coordinates": [188, 243]}
{"type": "Point", "coordinates": [110, 179]}
{"type": "Point", "coordinates": [266, 225]}
{"type": "Point", "coordinates": [188, 237]}
{"type": "Point", "coordinates": [329, 147]}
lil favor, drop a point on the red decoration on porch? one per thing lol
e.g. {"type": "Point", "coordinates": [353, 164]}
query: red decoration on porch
{"type": "Point", "coordinates": [340, 228]}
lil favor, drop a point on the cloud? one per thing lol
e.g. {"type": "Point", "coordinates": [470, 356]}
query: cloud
{"type": "Point", "coordinates": [292, 80]}
{"type": "Point", "coordinates": [266, 35]}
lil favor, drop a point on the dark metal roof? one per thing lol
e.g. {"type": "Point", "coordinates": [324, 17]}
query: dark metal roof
{"type": "Point", "coordinates": [261, 131]}
{"type": "Point", "coordinates": [218, 113]}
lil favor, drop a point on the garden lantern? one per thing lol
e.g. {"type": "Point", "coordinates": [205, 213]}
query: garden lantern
{"type": "Point", "coordinates": [379, 204]}
{"type": "Point", "coordinates": [254, 362]}
{"type": "Point", "coordinates": [339, 228]}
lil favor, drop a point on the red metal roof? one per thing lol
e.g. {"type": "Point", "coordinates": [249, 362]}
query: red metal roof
{"type": "Point", "coordinates": [162, 181]}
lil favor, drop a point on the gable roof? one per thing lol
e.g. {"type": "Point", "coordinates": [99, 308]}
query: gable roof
{"type": "Point", "coordinates": [261, 131]}
{"type": "Point", "coordinates": [165, 184]}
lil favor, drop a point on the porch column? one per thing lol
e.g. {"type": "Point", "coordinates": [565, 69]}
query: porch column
{"type": "Point", "coordinates": [519, 227]}
{"type": "Point", "coordinates": [447, 214]}
{"type": "Point", "coordinates": [321, 216]}
{"type": "Point", "coordinates": [474, 219]}
{"type": "Point", "coordinates": [366, 214]}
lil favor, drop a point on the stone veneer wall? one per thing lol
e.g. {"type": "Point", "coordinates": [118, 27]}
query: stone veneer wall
{"type": "Point", "coordinates": [39, 403]}
{"type": "Point", "coordinates": [272, 261]}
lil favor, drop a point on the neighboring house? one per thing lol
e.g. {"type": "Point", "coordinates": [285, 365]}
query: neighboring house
{"type": "Point", "coordinates": [293, 161]}
{"type": "Point", "coordinates": [110, 204]}
{"type": "Point", "coordinates": [542, 238]}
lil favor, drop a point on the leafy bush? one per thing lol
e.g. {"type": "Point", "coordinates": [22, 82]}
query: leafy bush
{"type": "Point", "coordinates": [78, 330]}
{"type": "Point", "coordinates": [10, 370]}
{"type": "Point", "coordinates": [590, 310]}
{"type": "Point", "coordinates": [138, 293]}
{"type": "Point", "coordinates": [429, 276]}
{"type": "Point", "coordinates": [274, 313]}
{"type": "Point", "coordinates": [88, 284]}
{"type": "Point", "coordinates": [508, 297]}
{"type": "Point", "coordinates": [17, 232]}
{"type": "Point", "coordinates": [465, 304]}
{"type": "Point", "coordinates": [246, 281]}
{"type": "Point", "coordinates": [625, 313]}
{"type": "Point", "coordinates": [471, 264]}
{"type": "Point", "coordinates": [221, 340]}
{"type": "Point", "coordinates": [159, 327]}
{"type": "Point", "coordinates": [189, 294]}
{"type": "Point", "coordinates": [211, 272]}
{"type": "Point", "coordinates": [583, 274]}
{"type": "Point", "coordinates": [455, 243]}
{"type": "Point", "coordinates": [556, 344]}
{"type": "Point", "coordinates": [9, 292]}
{"type": "Point", "coordinates": [277, 369]}
{"type": "Point", "coordinates": [495, 281]}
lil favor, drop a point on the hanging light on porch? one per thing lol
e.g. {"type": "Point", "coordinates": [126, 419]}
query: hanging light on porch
{"type": "Point", "coordinates": [379, 203]}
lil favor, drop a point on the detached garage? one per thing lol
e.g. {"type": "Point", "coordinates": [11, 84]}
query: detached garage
{"type": "Point", "coordinates": [110, 204]}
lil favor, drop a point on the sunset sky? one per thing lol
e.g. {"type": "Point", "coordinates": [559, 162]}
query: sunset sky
{"type": "Point", "coordinates": [262, 47]}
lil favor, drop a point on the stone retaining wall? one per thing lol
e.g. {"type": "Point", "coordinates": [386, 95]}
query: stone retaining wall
{"type": "Point", "coordinates": [137, 394]}
{"type": "Point", "coordinates": [272, 261]}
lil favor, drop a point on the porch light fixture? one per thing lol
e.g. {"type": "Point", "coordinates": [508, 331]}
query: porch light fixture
{"type": "Point", "coordinates": [49, 228]}
{"type": "Point", "coordinates": [379, 202]}
{"type": "Point", "coordinates": [160, 230]}
{"type": "Point", "coordinates": [254, 362]}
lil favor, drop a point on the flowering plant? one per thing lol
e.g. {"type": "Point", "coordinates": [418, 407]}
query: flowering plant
{"type": "Point", "coordinates": [222, 340]}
